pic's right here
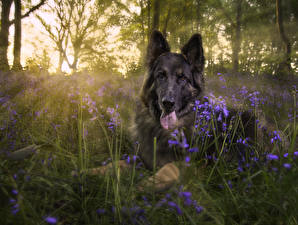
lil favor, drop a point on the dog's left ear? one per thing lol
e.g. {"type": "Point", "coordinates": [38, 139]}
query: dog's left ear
{"type": "Point", "coordinates": [157, 46]}
{"type": "Point", "coordinates": [193, 51]}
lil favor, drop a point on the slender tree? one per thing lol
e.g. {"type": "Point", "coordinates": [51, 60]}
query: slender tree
{"type": "Point", "coordinates": [167, 20]}
{"type": "Point", "coordinates": [156, 14]}
{"type": "Point", "coordinates": [286, 63]}
{"type": "Point", "coordinates": [59, 33]}
{"type": "Point", "coordinates": [236, 44]}
{"type": "Point", "coordinates": [17, 36]}
{"type": "Point", "coordinates": [4, 33]}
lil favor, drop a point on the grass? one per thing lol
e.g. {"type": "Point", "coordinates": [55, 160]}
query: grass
{"type": "Point", "coordinates": [81, 122]}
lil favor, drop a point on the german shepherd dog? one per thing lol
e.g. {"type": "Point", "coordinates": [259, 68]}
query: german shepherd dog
{"type": "Point", "coordinates": [173, 83]}
{"type": "Point", "coordinates": [172, 86]}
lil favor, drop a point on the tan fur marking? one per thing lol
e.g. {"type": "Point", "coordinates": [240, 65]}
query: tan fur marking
{"type": "Point", "coordinates": [165, 178]}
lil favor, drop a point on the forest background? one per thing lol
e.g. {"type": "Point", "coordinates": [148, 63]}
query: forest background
{"type": "Point", "coordinates": [248, 36]}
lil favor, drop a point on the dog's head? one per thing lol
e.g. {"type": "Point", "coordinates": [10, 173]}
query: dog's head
{"type": "Point", "coordinates": [174, 80]}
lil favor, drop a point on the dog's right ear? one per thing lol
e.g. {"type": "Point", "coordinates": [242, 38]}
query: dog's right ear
{"type": "Point", "coordinates": [157, 46]}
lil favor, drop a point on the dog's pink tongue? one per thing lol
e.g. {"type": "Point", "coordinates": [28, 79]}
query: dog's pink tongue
{"type": "Point", "coordinates": [169, 121]}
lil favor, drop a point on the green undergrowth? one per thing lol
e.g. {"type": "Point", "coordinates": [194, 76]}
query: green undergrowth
{"type": "Point", "coordinates": [75, 124]}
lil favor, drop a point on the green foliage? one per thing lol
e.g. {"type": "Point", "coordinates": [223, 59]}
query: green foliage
{"type": "Point", "coordinates": [38, 64]}
{"type": "Point", "coordinates": [81, 121]}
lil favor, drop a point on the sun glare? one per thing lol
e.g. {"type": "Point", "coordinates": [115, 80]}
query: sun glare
{"type": "Point", "coordinates": [65, 68]}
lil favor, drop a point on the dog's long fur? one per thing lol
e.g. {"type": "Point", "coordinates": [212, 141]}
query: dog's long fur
{"type": "Point", "coordinates": [173, 83]}
{"type": "Point", "coordinates": [186, 67]}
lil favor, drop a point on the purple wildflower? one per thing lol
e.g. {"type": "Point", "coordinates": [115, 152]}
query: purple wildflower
{"type": "Point", "coordinates": [276, 137]}
{"type": "Point", "coordinates": [11, 200]}
{"type": "Point", "coordinates": [100, 211]}
{"type": "Point", "coordinates": [173, 142]}
{"type": "Point", "coordinates": [110, 110]}
{"type": "Point", "coordinates": [230, 184]}
{"type": "Point", "coordinates": [240, 169]}
{"type": "Point", "coordinates": [187, 159]}
{"type": "Point", "coordinates": [272, 157]}
{"type": "Point", "coordinates": [199, 209]}
{"type": "Point", "coordinates": [161, 202]}
{"type": "Point", "coordinates": [184, 143]}
{"type": "Point", "coordinates": [191, 150]}
{"type": "Point", "coordinates": [185, 194]}
{"type": "Point", "coordinates": [226, 112]}
{"type": "Point", "coordinates": [187, 201]}
{"type": "Point", "coordinates": [51, 220]}
{"type": "Point", "coordinates": [174, 205]}
{"type": "Point", "coordinates": [287, 165]}
{"type": "Point", "coordinates": [14, 211]}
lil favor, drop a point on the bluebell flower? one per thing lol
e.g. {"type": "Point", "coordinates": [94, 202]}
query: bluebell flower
{"type": "Point", "coordinates": [100, 211]}
{"type": "Point", "coordinates": [174, 205]}
{"type": "Point", "coordinates": [184, 143]}
{"type": "Point", "coordinates": [173, 142]}
{"type": "Point", "coordinates": [272, 157]}
{"type": "Point", "coordinates": [287, 165]}
{"type": "Point", "coordinates": [15, 211]}
{"type": "Point", "coordinates": [191, 150]}
{"type": "Point", "coordinates": [187, 201]}
{"type": "Point", "coordinates": [187, 159]}
{"type": "Point", "coordinates": [276, 137]}
{"type": "Point", "coordinates": [199, 209]}
{"type": "Point", "coordinates": [230, 184]}
{"type": "Point", "coordinates": [240, 169]}
{"type": "Point", "coordinates": [185, 194]}
{"type": "Point", "coordinates": [51, 220]}
{"type": "Point", "coordinates": [11, 200]}
{"type": "Point", "coordinates": [161, 202]}
{"type": "Point", "coordinates": [226, 112]}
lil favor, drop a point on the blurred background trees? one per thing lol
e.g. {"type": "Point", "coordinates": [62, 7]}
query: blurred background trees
{"type": "Point", "coordinates": [240, 36]}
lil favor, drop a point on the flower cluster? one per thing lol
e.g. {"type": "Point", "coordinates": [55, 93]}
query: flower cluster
{"type": "Point", "coordinates": [114, 118]}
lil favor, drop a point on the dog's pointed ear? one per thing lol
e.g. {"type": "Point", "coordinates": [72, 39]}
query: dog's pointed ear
{"type": "Point", "coordinates": [157, 46]}
{"type": "Point", "coordinates": [193, 51]}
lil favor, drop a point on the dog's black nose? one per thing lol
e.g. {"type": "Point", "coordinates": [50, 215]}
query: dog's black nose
{"type": "Point", "coordinates": [168, 104]}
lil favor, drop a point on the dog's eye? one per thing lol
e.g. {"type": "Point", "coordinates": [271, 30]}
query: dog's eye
{"type": "Point", "coordinates": [161, 76]}
{"type": "Point", "coordinates": [182, 78]}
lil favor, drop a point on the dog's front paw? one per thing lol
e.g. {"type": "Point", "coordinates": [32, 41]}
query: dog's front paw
{"type": "Point", "coordinates": [164, 179]}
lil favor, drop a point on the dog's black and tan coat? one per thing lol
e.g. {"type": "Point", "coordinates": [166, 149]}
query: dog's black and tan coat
{"type": "Point", "coordinates": [172, 85]}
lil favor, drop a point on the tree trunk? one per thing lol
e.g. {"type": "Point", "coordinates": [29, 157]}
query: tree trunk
{"type": "Point", "coordinates": [17, 36]}
{"type": "Point", "coordinates": [237, 37]}
{"type": "Point", "coordinates": [61, 58]}
{"type": "Point", "coordinates": [143, 21]}
{"type": "Point", "coordinates": [156, 14]}
{"type": "Point", "coordinates": [285, 65]}
{"type": "Point", "coordinates": [6, 5]}
{"type": "Point", "coordinates": [164, 30]}
{"type": "Point", "coordinates": [149, 19]}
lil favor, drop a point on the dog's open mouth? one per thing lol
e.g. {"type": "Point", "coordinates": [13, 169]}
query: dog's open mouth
{"type": "Point", "coordinates": [169, 121]}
